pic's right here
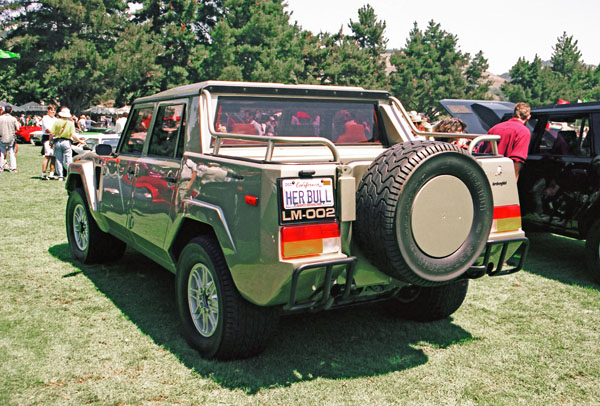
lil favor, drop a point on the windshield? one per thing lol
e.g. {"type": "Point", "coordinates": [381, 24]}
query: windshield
{"type": "Point", "coordinates": [339, 121]}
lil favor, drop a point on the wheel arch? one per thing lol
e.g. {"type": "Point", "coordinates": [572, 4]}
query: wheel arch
{"type": "Point", "coordinates": [81, 176]}
{"type": "Point", "coordinates": [188, 230]}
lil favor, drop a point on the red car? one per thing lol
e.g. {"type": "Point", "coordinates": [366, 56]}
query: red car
{"type": "Point", "coordinates": [24, 133]}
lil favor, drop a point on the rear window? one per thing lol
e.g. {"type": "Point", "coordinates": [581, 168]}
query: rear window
{"type": "Point", "coordinates": [339, 121]}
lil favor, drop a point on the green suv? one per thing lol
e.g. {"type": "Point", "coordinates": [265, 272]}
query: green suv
{"type": "Point", "coordinates": [265, 199]}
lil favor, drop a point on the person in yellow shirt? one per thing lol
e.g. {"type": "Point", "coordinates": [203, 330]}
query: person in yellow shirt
{"type": "Point", "coordinates": [62, 136]}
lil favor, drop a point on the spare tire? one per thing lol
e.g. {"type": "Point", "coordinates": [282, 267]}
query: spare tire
{"type": "Point", "coordinates": [424, 212]}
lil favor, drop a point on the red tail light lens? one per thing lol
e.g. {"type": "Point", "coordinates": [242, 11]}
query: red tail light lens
{"type": "Point", "coordinates": [309, 240]}
{"type": "Point", "coordinates": [506, 218]}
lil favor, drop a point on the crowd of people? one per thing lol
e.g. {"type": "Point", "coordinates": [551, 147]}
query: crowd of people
{"type": "Point", "coordinates": [82, 123]}
{"type": "Point", "coordinates": [59, 132]}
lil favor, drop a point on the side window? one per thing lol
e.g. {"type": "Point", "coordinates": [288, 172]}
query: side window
{"type": "Point", "coordinates": [135, 136]}
{"type": "Point", "coordinates": [168, 125]}
{"type": "Point", "coordinates": [565, 136]}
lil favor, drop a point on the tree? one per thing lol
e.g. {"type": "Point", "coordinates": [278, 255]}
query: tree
{"type": "Point", "coordinates": [431, 67]}
{"type": "Point", "coordinates": [351, 60]}
{"type": "Point", "coordinates": [132, 69]}
{"type": "Point", "coordinates": [368, 32]}
{"type": "Point", "coordinates": [566, 78]}
{"type": "Point", "coordinates": [566, 58]}
{"type": "Point", "coordinates": [254, 40]}
{"type": "Point", "coordinates": [182, 27]}
{"type": "Point", "coordinates": [63, 45]}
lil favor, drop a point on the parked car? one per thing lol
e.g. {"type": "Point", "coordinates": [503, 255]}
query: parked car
{"type": "Point", "coordinates": [559, 185]}
{"type": "Point", "coordinates": [24, 134]}
{"type": "Point", "coordinates": [344, 203]}
{"type": "Point", "coordinates": [36, 137]}
{"type": "Point", "coordinates": [94, 138]}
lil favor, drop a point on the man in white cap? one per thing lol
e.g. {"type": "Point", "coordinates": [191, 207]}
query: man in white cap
{"type": "Point", "coordinates": [62, 135]}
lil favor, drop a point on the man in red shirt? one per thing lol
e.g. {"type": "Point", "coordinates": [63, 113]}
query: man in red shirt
{"type": "Point", "coordinates": [514, 136]}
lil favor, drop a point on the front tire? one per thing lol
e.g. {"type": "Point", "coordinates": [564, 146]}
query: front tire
{"type": "Point", "coordinates": [87, 243]}
{"type": "Point", "coordinates": [216, 320]}
{"type": "Point", "coordinates": [421, 303]}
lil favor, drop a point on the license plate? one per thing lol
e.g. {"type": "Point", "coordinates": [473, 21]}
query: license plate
{"type": "Point", "coordinates": [307, 193]}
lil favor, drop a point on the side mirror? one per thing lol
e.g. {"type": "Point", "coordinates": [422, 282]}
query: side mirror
{"type": "Point", "coordinates": [103, 149]}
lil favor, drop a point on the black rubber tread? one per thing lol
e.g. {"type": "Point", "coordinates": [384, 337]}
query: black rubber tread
{"type": "Point", "coordinates": [592, 250]}
{"type": "Point", "coordinates": [378, 197]}
{"type": "Point", "coordinates": [429, 303]}
{"type": "Point", "coordinates": [243, 328]}
{"type": "Point", "coordinates": [102, 247]}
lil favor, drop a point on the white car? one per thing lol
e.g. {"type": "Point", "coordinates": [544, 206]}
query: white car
{"type": "Point", "coordinates": [91, 140]}
{"type": "Point", "coordinates": [35, 137]}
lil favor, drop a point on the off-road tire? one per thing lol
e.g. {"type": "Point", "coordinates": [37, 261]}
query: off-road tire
{"type": "Point", "coordinates": [239, 329]}
{"type": "Point", "coordinates": [592, 250]}
{"type": "Point", "coordinates": [87, 243]}
{"type": "Point", "coordinates": [420, 303]}
{"type": "Point", "coordinates": [450, 193]}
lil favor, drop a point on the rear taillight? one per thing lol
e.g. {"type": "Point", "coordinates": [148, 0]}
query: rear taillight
{"type": "Point", "coordinates": [506, 218]}
{"type": "Point", "coordinates": [309, 240]}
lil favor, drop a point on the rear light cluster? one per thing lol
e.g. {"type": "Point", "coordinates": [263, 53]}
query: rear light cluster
{"type": "Point", "coordinates": [506, 218]}
{"type": "Point", "coordinates": [310, 240]}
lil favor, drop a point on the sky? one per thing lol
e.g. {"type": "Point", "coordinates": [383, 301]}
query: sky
{"type": "Point", "coordinates": [504, 30]}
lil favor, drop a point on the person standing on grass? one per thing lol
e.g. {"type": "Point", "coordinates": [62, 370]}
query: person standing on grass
{"type": "Point", "coordinates": [62, 135]}
{"type": "Point", "coordinates": [47, 149]}
{"type": "Point", "coordinates": [8, 126]}
{"type": "Point", "coordinates": [514, 136]}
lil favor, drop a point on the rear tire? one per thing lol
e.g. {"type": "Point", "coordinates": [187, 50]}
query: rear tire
{"type": "Point", "coordinates": [592, 250]}
{"type": "Point", "coordinates": [421, 303]}
{"type": "Point", "coordinates": [87, 243]}
{"type": "Point", "coordinates": [216, 320]}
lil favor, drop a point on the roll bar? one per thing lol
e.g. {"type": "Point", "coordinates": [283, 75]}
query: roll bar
{"type": "Point", "coordinates": [475, 139]}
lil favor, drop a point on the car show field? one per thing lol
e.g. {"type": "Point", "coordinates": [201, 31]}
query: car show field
{"type": "Point", "coordinates": [108, 334]}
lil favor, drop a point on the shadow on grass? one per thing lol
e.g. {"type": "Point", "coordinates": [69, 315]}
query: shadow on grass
{"type": "Point", "coordinates": [344, 343]}
{"type": "Point", "coordinates": [559, 258]}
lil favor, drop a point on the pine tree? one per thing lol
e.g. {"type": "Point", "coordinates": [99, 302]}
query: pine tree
{"type": "Point", "coordinates": [431, 67]}
{"type": "Point", "coordinates": [348, 60]}
{"type": "Point", "coordinates": [182, 27]}
{"type": "Point", "coordinates": [566, 78]}
{"type": "Point", "coordinates": [255, 41]}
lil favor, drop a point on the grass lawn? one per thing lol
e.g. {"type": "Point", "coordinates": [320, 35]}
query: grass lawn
{"type": "Point", "coordinates": [109, 334]}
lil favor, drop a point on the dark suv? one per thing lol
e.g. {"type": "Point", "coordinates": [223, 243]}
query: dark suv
{"type": "Point", "coordinates": [559, 184]}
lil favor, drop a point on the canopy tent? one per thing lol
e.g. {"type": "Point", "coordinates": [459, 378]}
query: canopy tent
{"type": "Point", "coordinates": [124, 109]}
{"type": "Point", "coordinates": [31, 107]}
{"type": "Point", "coordinates": [101, 110]}
{"type": "Point", "coordinates": [8, 55]}
{"type": "Point", "coordinates": [4, 104]}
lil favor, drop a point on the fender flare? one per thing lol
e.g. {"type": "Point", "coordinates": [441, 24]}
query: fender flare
{"type": "Point", "coordinates": [212, 215]}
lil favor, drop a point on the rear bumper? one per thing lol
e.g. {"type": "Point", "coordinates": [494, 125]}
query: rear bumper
{"type": "Point", "coordinates": [500, 257]}
{"type": "Point", "coordinates": [325, 300]}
